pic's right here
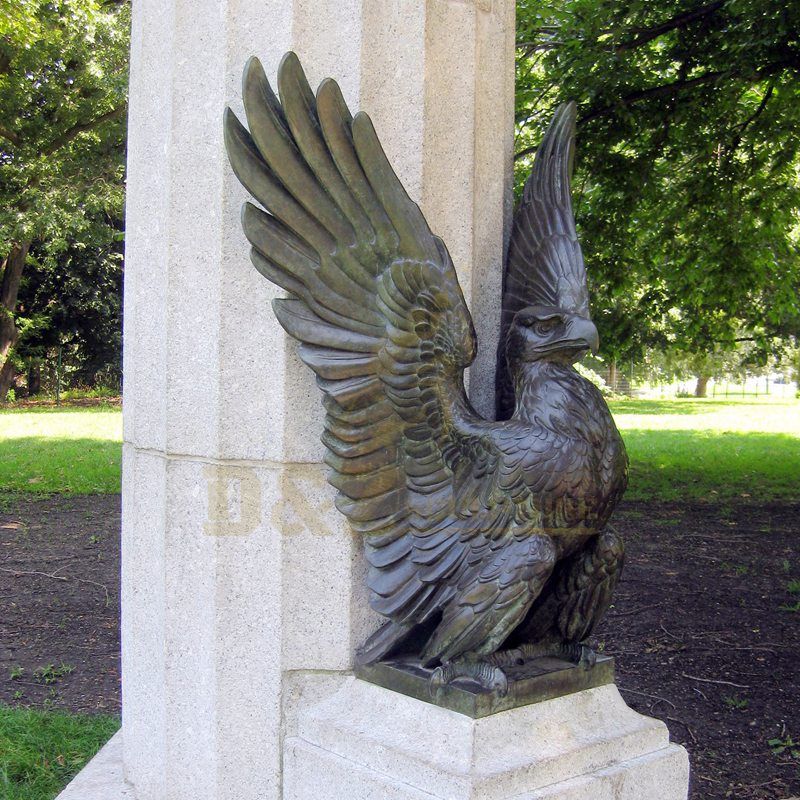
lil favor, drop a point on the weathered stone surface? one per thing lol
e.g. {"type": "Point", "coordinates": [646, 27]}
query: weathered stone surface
{"type": "Point", "coordinates": [247, 530]}
{"type": "Point", "coordinates": [371, 742]}
{"type": "Point", "coordinates": [660, 775]}
{"type": "Point", "coordinates": [102, 779]}
{"type": "Point", "coordinates": [143, 617]}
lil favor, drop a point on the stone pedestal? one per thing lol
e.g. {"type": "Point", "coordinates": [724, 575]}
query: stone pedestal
{"type": "Point", "coordinates": [358, 741]}
{"type": "Point", "coordinates": [103, 778]}
{"type": "Point", "coordinates": [346, 739]}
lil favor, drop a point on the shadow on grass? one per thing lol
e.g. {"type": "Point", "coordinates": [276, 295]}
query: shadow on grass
{"type": "Point", "coordinates": [71, 407]}
{"type": "Point", "coordinates": [43, 464]}
{"type": "Point", "coordinates": [690, 464]}
{"type": "Point", "coordinates": [665, 464]}
{"type": "Point", "coordinates": [691, 406]}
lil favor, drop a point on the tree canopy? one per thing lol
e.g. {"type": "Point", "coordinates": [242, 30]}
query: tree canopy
{"type": "Point", "coordinates": [686, 192]}
{"type": "Point", "coordinates": [63, 85]}
{"type": "Point", "coordinates": [687, 184]}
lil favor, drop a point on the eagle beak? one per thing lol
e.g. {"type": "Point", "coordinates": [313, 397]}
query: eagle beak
{"type": "Point", "coordinates": [582, 330]}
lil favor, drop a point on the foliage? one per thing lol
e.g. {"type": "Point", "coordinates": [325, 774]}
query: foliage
{"type": "Point", "coordinates": [72, 301]}
{"type": "Point", "coordinates": [40, 751]}
{"type": "Point", "coordinates": [735, 703]}
{"type": "Point", "coordinates": [687, 173]}
{"type": "Point", "coordinates": [63, 85]}
{"type": "Point", "coordinates": [746, 359]}
{"type": "Point", "coordinates": [595, 378]}
{"type": "Point", "coordinates": [785, 745]}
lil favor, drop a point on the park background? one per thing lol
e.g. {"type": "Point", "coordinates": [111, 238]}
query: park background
{"type": "Point", "coordinates": [687, 199]}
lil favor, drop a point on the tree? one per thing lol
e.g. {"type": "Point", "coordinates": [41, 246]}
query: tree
{"type": "Point", "coordinates": [63, 85]}
{"type": "Point", "coordinates": [71, 304]}
{"type": "Point", "coordinates": [687, 183]}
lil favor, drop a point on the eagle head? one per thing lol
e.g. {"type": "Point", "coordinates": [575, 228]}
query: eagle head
{"type": "Point", "coordinates": [550, 333]}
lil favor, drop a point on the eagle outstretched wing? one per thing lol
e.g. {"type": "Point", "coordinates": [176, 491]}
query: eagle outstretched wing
{"type": "Point", "coordinates": [375, 302]}
{"type": "Point", "coordinates": [544, 266]}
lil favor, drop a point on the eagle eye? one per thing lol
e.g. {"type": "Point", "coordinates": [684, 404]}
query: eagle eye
{"type": "Point", "coordinates": [547, 325]}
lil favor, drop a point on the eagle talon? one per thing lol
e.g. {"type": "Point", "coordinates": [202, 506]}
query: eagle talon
{"type": "Point", "coordinates": [499, 682]}
{"type": "Point", "coordinates": [588, 657]}
{"type": "Point", "coordinates": [438, 681]}
{"type": "Point", "coordinates": [485, 674]}
{"type": "Point", "coordinates": [580, 654]}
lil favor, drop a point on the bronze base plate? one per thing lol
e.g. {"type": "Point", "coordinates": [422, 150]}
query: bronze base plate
{"type": "Point", "coordinates": [532, 682]}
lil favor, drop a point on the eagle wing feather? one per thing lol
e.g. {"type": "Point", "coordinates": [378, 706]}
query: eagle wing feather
{"type": "Point", "coordinates": [436, 491]}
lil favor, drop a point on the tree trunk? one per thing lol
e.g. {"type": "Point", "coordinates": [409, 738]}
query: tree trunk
{"type": "Point", "coordinates": [701, 387]}
{"type": "Point", "coordinates": [612, 375]}
{"type": "Point", "coordinates": [10, 277]}
{"type": "Point", "coordinates": [7, 375]}
{"type": "Point", "coordinates": [34, 378]}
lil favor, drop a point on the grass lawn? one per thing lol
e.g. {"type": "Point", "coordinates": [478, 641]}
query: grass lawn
{"type": "Point", "coordinates": [711, 449]}
{"type": "Point", "coordinates": [68, 449]}
{"type": "Point", "coordinates": [714, 449]}
{"type": "Point", "coordinates": [40, 751]}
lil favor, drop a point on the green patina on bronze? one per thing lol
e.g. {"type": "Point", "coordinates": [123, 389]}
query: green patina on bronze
{"type": "Point", "coordinates": [534, 682]}
{"type": "Point", "coordinates": [487, 540]}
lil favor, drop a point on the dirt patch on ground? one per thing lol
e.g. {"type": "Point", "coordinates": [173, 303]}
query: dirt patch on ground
{"type": "Point", "coordinates": [59, 602]}
{"type": "Point", "coordinates": [703, 628]}
{"type": "Point", "coordinates": [704, 639]}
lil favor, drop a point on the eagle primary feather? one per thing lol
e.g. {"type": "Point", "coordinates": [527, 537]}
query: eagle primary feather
{"type": "Point", "coordinates": [468, 524]}
{"type": "Point", "coordinates": [544, 265]}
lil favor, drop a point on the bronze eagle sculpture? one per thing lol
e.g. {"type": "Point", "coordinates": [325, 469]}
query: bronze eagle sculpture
{"type": "Point", "coordinates": [479, 534]}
